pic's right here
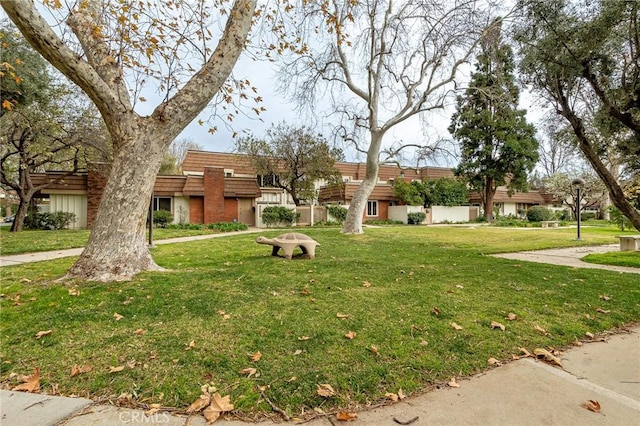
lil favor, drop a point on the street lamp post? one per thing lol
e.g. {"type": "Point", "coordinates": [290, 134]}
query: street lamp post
{"type": "Point", "coordinates": [578, 183]}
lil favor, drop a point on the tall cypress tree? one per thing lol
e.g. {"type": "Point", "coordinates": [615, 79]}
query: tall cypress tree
{"type": "Point", "coordinates": [498, 146]}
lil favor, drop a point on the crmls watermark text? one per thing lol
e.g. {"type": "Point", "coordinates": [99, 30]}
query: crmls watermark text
{"type": "Point", "coordinates": [141, 418]}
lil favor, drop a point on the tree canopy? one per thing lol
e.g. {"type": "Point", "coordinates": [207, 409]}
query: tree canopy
{"type": "Point", "coordinates": [498, 147]}
{"type": "Point", "coordinates": [292, 158]}
{"type": "Point", "coordinates": [583, 57]}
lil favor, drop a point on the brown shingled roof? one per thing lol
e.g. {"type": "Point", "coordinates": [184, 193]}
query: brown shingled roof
{"type": "Point", "coordinates": [241, 187]}
{"type": "Point", "coordinates": [60, 181]}
{"type": "Point", "coordinates": [169, 185]}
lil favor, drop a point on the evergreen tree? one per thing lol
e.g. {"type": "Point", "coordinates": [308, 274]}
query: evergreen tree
{"type": "Point", "coordinates": [498, 146]}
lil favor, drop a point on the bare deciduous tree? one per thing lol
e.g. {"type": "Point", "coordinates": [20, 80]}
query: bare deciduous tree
{"type": "Point", "coordinates": [381, 62]}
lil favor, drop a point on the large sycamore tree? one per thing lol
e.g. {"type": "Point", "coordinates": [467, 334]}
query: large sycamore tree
{"type": "Point", "coordinates": [583, 58]}
{"type": "Point", "coordinates": [112, 49]}
{"type": "Point", "coordinates": [380, 63]}
{"type": "Point", "coordinates": [497, 145]}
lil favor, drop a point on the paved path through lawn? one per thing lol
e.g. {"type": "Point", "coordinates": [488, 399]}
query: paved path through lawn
{"type": "Point", "coordinates": [569, 257]}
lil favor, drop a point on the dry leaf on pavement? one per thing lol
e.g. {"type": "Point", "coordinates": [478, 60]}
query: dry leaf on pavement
{"type": "Point", "coordinates": [218, 406]}
{"type": "Point", "coordinates": [153, 408]}
{"type": "Point", "coordinates": [547, 356]}
{"type": "Point", "coordinates": [591, 405]}
{"type": "Point", "coordinates": [401, 394]}
{"type": "Point", "coordinates": [325, 390]}
{"type": "Point", "coordinates": [493, 361]}
{"type": "Point", "coordinates": [346, 417]}
{"type": "Point", "coordinates": [453, 383]}
{"type": "Point", "coordinates": [199, 403]}
{"type": "Point", "coordinates": [31, 383]}
{"type": "Point", "coordinates": [391, 396]}
{"type": "Point", "coordinates": [526, 352]}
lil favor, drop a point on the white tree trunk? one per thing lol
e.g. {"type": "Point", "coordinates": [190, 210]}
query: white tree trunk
{"type": "Point", "coordinates": [353, 222]}
{"type": "Point", "coordinates": [116, 249]}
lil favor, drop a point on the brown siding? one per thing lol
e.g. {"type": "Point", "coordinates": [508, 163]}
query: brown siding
{"type": "Point", "coordinates": [169, 185]}
{"type": "Point", "coordinates": [57, 181]}
{"type": "Point", "coordinates": [96, 181]}
{"type": "Point", "coordinates": [196, 161]}
{"type": "Point", "coordinates": [194, 186]}
{"type": "Point", "coordinates": [241, 187]}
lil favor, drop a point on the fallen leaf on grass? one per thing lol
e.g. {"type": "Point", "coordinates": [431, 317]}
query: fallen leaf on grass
{"type": "Point", "coordinates": [511, 316]}
{"type": "Point", "coordinates": [456, 326]}
{"type": "Point", "coordinates": [39, 334]}
{"type": "Point", "coordinates": [366, 284]}
{"type": "Point", "coordinates": [493, 361]}
{"type": "Point", "coordinates": [602, 311]}
{"type": "Point", "coordinates": [117, 316]}
{"type": "Point", "coordinates": [540, 329]}
{"type": "Point", "coordinates": [199, 403]}
{"type": "Point", "coordinates": [74, 292]}
{"type": "Point", "coordinates": [604, 297]}
{"type": "Point", "coordinates": [191, 345]}
{"type": "Point", "coordinates": [459, 286]}
{"type": "Point", "coordinates": [248, 371]}
{"type": "Point", "coordinates": [256, 357]}
{"type": "Point", "coordinates": [591, 405]}
{"type": "Point", "coordinates": [116, 369]}
{"type": "Point", "coordinates": [526, 352]}
{"type": "Point", "coordinates": [435, 310]}
{"type": "Point", "coordinates": [495, 324]}
{"type": "Point", "coordinates": [343, 316]}
{"type": "Point", "coordinates": [297, 352]}
{"type": "Point", "coordinates": [303, 338]}
{"type": "Point", "coordinates": [423, 342]}
{"type": "Point", "coordinates": [547, 356]}
{"type": "Point", "coordinates": [453, 383]}
{"type": "Point", "coordinates": [139, 332]}
{"type": "Point", "coordinates": [350, 335]}
{"type": "Point", "coordinates": [346, 417]}
{"type": "Point", "coordinates": [325, 390]}
{"type": "Point", "coordinates": [218, 406]}
{"type": "Point", "coordinates": [374, 350]}
{"type": "Point", "coordinates": [31, 383]}
{"type": "Point", "coordinates": [77, 369]}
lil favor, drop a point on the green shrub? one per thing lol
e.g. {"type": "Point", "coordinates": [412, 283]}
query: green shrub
{"type": "Point", "coordinates": [162, 217]}
{"type": "Point", "coordinates": [276, 215]}
{"type": "Point", "coordinates": [227, 226]}
{"type": "Point", "coordinates": [616, 217]}
{"type": "Point", "coordinates": [540, 213]}
{"type": "Point", "coordinates": [339, 213]}
{"type": "Point", "coordinates": [49, 221]}
{"type": "Point", "coordinates": [587, 216]}
{"type": "Point", "coordinates": [416, 218]}
{"type": "Point", "coordinates": [193, 226]}
{"type": "Point", "coordinates": [383, 222]}
{"type": "Point", "coordinates": [510, 220]}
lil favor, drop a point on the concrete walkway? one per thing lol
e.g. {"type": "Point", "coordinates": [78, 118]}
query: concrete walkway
{"type": "Point", "coordinates": [57, 254]}
{"type": "Point", "coordinates": [569, 257]}
{"type": "Point", "coordinates": [523, 392]}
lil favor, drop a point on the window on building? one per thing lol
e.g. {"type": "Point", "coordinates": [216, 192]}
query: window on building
{"type": "Point", "coordinates": [162, 203]}
{"type": "Point", "coordinates": [268, 181]}
{"type": "Point", "coordinates": [372, 208]}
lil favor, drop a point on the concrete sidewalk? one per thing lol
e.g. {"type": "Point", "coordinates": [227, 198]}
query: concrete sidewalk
{"type": "Point", "coordinates": [570, 256]}
{"type": "Point", "coordinates": [57, 254]}
{"type": "Point", "coordinates": [523, 392]}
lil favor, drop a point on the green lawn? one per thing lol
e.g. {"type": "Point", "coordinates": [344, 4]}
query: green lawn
{"type": "Point", "coordinates": [34, 241]}
{"type": "Point", "coordinates": [226, 299]}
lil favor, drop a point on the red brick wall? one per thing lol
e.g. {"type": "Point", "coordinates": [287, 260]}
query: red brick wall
{"type": "Point", "coordinates": [196, 209]}
{"type": "Point", "coordinates": [230, 209]}
{"type": "Point", "coordinates": [96, 181]}
{"type": "Point", "coordinates": [214, 205]}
